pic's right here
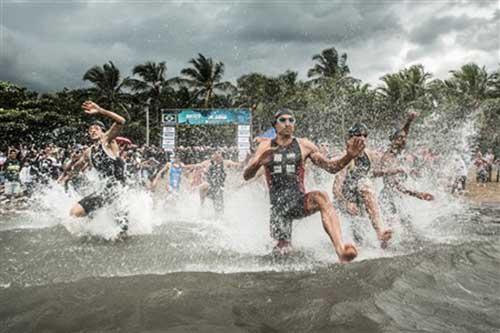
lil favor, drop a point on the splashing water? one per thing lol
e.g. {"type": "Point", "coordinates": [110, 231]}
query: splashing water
{"type": "Point", "coordinates": [172, 235]}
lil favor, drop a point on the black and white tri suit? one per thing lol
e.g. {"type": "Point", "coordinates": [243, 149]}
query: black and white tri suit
{"type": "Point", "coordinates": [216, 177]}
{"type": "Point", "coordinates": [285, 179]}
{"type": "Point", "coordinates": [111, 171]}
{"type": "Point", "coordinates": [357, 175]}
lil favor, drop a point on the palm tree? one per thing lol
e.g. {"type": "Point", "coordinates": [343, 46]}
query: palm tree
{"type": "Point", "coordinates": [152, 85]}
{"type": "Point", "coordinates": [406, 86]}
{"type": "Point", "coordinates": [415, 80]}
{"type": "Point", "coordinates": [108, 84]}
{"type": "Point", "coordinates": [471, 80]}
{"type": "Point", "coordinates": [393, 89]}
{"type": "Point", "coordinates": [205, 78]}
{"type": "Point", "coordinates": [329, 65]}
{"type": "Point", "coordinates": [494, 84]}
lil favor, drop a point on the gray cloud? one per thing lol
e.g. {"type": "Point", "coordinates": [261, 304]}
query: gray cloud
{"type": "Point", "coordinates": [47, 46]}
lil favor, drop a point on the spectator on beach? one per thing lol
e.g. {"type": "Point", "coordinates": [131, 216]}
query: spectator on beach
{"type": "Point", "coordinates": [481, 169]}
{"type": "Point", "coordinates": [490, 158]}
{"type": "Point", "coordinates": [12, 167]}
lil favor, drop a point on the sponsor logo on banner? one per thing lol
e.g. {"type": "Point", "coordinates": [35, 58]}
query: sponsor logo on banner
{"type": "Point", "coordinates": [168, 129]}
{"type": "Point", "coordinates": [170, 118]}
{"type": "Point", "coordinates": [170, 135]}
{"type": "Point", "coordinates": [243, 139]}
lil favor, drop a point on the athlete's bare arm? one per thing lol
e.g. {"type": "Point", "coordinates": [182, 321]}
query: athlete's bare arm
{"type": "Point", "coordinates": [355, 146]}
{"type": "Point", "coordinates": [411, 118]}
{"type": "Point", "coordinates": [156, 180]}
{"type": "Point", "coordinates": [263, 155]}
{"type": "Point", "coordinates": [118, 121]}
{"type": "Point", "coordinates": [419, 195]}
{"type": "Point", "coordinates": [232, 165]}
{"type": "Point", "coordinates": [74, 167]}
{"type": "Point", "coordinates": [337, 186]}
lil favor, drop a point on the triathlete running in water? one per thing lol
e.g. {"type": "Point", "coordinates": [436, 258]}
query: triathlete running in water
{"type": "Point", "coordinates": [393, 184]}
{"type": "Point", "coordinates": [214, 179]}
{"type": "Point", "coordinates": [174, 170]}
{"type": "Point", "coordinates": [283, 159]}
{"type": "Point", "coordinates": [103, 156]}
{"type": "Point", "coordinates": [354, 190]}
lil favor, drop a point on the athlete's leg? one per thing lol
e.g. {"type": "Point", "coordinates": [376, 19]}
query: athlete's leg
{"type": "Point", "coordinates": [318, 201]}
{"type": "Point", "coordinates": [203, 188]}
{"type": "Point", "coordinates": [373, 210]}
{"type": "Point", "coordinates": [89, 204]}
{"type": "Point", "coordinates": [77, 211]}
{"type": "Point", "coordinates": [218, 200]}
{"type": "Point", "coordinates": [280, 228]}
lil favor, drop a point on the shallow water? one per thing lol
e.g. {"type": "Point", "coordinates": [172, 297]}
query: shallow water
{"type": "Point", "coordinates": [182, 269]}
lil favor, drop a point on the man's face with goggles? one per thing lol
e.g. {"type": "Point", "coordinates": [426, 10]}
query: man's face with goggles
{"type": "Point", "coordinates": [285, 125]}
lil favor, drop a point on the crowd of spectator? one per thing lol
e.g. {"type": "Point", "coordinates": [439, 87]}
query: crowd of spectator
{"type": "Point", "coordinates": [23, 167]}
{"type": "Point", "coordinates": [485, 165]}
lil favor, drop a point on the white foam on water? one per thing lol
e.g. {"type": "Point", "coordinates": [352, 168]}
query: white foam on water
{"type": "Point", "coordinates": [244, 227]}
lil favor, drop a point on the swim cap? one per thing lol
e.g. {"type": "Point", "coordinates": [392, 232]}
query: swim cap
{"type": "Point", "coordinates": [98, 123]}
{"type": "Point", "coordinates": [394, 134]}
{"type": "Point", "coordinates": [281, 112]}
{"type": "Point", "coordinates": [358, 129]}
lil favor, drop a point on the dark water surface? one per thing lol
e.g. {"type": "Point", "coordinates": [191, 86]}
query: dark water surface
{"type": "Point", "coordinates": [54, 282]}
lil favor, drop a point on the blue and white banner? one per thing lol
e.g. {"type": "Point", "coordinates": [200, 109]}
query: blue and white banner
{"type": "Point", "coordinates": [213, 117]}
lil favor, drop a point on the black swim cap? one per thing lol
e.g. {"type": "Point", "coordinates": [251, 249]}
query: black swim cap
{"type": "Point", "coordinates": [281, 112]}
{"type": "Point", "coordinates": [394, 134]}
{"type": "Point", "coordinates": [358, 129]}
{"type": "Point", "coordinates": [98, 123]}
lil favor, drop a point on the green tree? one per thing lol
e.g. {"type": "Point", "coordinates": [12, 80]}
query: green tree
{"type": "Point", "coordinates": [108, 85]}
{"type": "Point", "coordinates": [205, 78]}
{"type": "Point", "coordinates": [329, 65]}
{"type": "Point", "coordinates": [152, 85]}
{"type": "Point", "coordinates": [470, 80]}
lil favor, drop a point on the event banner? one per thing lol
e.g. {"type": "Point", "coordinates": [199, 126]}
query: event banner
{"type": "Point", "coordinates": [213, 117]}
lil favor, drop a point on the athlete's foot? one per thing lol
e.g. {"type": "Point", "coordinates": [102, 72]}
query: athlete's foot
{"type": "Point", "coordinates": [348, 253]}
{"type": "Point", "coordinates": [283, 248]}
{"type": "Point", "coordinates": [384, 238]}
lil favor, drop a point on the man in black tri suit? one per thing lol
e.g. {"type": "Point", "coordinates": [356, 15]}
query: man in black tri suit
{"type": "Point", "coordinates": [215, 178]}
{"type": "Point", "coordinates": [283, 160]}
{"type": "Point", "coordinates": [103, 156]}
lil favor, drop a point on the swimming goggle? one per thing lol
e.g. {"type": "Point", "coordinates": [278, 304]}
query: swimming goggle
{"type": "Point", "coordinates": [283, 120]}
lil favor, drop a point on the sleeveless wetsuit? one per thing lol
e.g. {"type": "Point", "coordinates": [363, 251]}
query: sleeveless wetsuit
{"type": "Point", "coordinates": [111, 170]}
{"type": "Point", "coordinates": [216, 176]}
{"type": "Point", "coordinates": [285, 178]}
{"type": "Point", "coordinates": [174, 179]}
{"type": "Point", "coordinates": [357, 172]}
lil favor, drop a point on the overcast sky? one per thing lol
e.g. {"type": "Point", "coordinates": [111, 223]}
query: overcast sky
{"type": "Point", "coordinates": [48, 45]}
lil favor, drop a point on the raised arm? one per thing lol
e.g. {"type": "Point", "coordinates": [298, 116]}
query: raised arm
{"type": "Point", "coordinates": [156, 180]}
{"type": "Point", "coordinates": [355, 146]}
{"type": "Point", "coordinates": [118, 121]}
{"type": "Point", "coordinates": [411, 117]}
